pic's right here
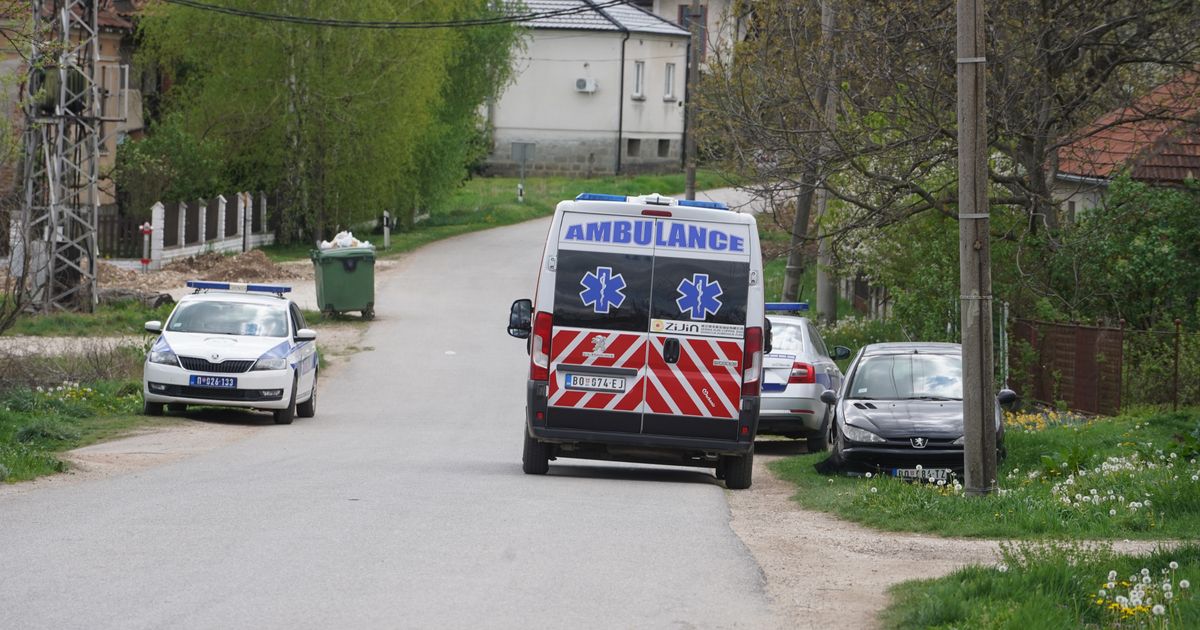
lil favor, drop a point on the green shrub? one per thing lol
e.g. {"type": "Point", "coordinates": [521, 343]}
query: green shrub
{"type": "Point", "coordinates": [46, 430]}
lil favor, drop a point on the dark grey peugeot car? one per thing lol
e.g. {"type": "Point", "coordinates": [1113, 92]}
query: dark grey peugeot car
{"type": "Point", "coordinates": [900, 411]}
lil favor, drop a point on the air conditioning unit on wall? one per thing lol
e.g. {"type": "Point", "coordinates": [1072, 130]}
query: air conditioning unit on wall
{"type": "Point", "coordinates": [585, 85]}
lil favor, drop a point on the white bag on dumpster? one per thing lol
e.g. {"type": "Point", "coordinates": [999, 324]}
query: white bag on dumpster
{"type": "Point", "coordinates": [344, 239]}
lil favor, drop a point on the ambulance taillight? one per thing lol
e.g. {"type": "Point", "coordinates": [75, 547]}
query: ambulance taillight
{"type": "Point", "coordinates": [752, 361]}
{"type": "Point", "coordinates": [539, 352]}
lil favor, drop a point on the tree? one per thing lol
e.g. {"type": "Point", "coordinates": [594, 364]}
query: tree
{"type": "Point", "coordinates": [345, 122]}
{"type": "Point", "coordinates": [1053, 67]}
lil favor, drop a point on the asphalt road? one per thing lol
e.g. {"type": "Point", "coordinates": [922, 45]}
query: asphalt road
{"type": "Point", "coordinates": [402, 504]}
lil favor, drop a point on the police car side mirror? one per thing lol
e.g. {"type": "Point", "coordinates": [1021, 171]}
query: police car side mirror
{"type": "Point", "coordinates": [829, 397]}
{"type": "Point", "coordinates": [306, 334]}
{"type": "Point", "coordinates": [767, 339]}
{"type": "Point", "coordinates": [841, 352]}
{"type": "Point", "coordinates": [154, 326]}
{"type": "Point", "coordinates": [520, 319]}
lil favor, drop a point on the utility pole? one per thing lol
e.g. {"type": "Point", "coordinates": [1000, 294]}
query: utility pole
{"type": "Point", "coordinates": [974, 255]}
{"type": "Point", "coordinates": [63, 130]}
{"type": "Point", "coordinates": [693, 80]}
{"type": "Point", "coordinates": [826, 288]}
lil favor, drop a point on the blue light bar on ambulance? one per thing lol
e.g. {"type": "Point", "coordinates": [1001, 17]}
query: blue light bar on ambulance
{"type": "Point", "coordinates": [600, 197]}
{"type": "Point", "coordinates": [787, 306]}
{"type": "Point", "coordinates": [713, 205]}
{"type": "Point", "coordinates": [200, 285]}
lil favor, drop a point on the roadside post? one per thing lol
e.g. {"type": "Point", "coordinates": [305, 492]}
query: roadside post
{"type": "Point", "coordinates": [522, 152]}
{"type": "Point", "coordinates": [147, 230]}
{"type": "Point", "coordinates": [387, 229]}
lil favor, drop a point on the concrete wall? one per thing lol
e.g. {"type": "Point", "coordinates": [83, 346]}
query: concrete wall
{"type": "Point", "coordinates": [1075, 198]}
{"type": "Point", "coordinates": [577, 132]}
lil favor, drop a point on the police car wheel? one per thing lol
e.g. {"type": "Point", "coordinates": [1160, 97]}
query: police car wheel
{"type": "Point", "coordinates": [308, 408]}
{"type": "Point", "coordinates": [286, 415]}
{"type": "Point", "coordinates": [738, 470]}
{"type": "Point", "coordinates": [535, 459]}
{"type": "Point", "coordinates": [152, 409]}
{"type": "Point", "coordinates": [176, 407]}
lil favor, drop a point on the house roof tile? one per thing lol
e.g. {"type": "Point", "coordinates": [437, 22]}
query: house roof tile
{"type": "Point", "coordinates": [1157, 138]}
{"type": "Point", "coordinates": [596, 16]}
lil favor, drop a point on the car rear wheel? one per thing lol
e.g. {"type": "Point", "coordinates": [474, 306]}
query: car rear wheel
{"type": "Point", "coordinates": [535, 460]}
{"type": "Point", "coordinates": [152, 408]}
{"type": "Point", "coordinates": [739, 469]}
{"type": "Point", "coordinates": [308, 408]}
{"type": "Point", "coordinates": [285, 416]}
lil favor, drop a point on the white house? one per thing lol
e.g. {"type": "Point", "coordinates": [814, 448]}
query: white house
{"type": "Point", "coordinates": [721, 25]}
{"type": "Point", "coordinates": [596, 91]}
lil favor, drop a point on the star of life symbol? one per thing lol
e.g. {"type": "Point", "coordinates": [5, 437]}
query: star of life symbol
{"type": "Point", "coordinates": [698, 296]}
{"type": "Point", "coordinates": [602, 290]}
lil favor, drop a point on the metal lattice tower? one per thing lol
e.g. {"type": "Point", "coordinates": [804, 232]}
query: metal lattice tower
{"type": "Point", "coordinates": [62, 151]}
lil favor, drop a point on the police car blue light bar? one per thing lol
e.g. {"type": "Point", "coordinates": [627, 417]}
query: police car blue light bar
{"type": "Point", "coordinates": [200, 285]}
{"type": "Point", "coordinates": [713, 205]}
{"type": "Point", "coordinates": [600, 197]}
{"type": "Point", "coordinates": [787, 306]}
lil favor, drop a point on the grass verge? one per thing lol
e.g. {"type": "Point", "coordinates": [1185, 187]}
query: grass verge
{"type": "Point", "coordinates": [38, 424]}
{"type": "Point", "coordinates": [1055, 586]}
{"type": "Point", "coordinates": [487, 202]}
{"type": "Point", "coordinates": [1133, 476]}
{"type": "Point", "coordinates": [123, 318]}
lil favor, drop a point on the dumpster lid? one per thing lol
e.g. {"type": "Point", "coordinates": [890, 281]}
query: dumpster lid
{"type": "Point", "coordinates": [344, 252]}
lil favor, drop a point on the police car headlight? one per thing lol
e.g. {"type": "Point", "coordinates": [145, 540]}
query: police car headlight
{"type": "Point", "coordinates": [163, 357]}
{"type": "Point", "coordinates": [855, 434]}
{"type": "Point", "coordinates": [270, 364]}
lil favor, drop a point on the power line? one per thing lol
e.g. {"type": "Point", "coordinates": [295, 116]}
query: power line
{"type": "Point", "coordinates": [386, 25]}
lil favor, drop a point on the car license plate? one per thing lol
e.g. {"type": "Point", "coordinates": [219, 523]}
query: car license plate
{"type": "Point", "coordinates": [221, 382]}
{"type": "Point", "coordinates": [921, 473]}
{"type": "Point", "coordinates": [595, 383]}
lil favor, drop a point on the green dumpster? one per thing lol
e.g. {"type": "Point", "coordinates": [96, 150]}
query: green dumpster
{"type": "Point", "coordinates": [345, 280]}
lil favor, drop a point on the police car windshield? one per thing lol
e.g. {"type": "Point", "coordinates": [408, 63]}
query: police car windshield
{"type": "Point", "coordinates": [908, 376]}
{"type": "Point", "coordinates": [786, 338]}
{"type": "Point", "coordinates": [229, 318]}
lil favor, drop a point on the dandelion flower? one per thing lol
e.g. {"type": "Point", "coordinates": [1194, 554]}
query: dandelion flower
{"type": "Point", "coordinates": [868, 475]}
{"type": "Point", "coordinates": [1146, 579]}
{"type": "Point", "coordinates": [1158, 609]}
{"type": "Point", "coordinates": [1112, 575]}
{"type": "Point", "coordinates": [874, 489]}
{"type": "Point", "coordinates": [918, 467]}
{"type": "Point", "coordinates": [1168, 595]}
{"type": "Point", "coordinates": [1112, 512]}
{"type": "Point", "coordinates": [1003, 568]}
{"type": "Point", "coordinates": [1103, 593]}
{"type": "Point", "coordinates": [1184, 584]}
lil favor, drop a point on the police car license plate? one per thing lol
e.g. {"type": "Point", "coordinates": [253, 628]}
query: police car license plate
{"type": "Point", "coordinates": [921, 473]}
{"type": "Point", "coordinates": [221, 382]}
{"type": "Point", "coordinates": [595, 383]}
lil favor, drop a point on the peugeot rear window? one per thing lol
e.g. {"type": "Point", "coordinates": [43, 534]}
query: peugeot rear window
{"type": "Point", "coordinates": [695, 289]}
{"type": "Point", "coordinates": [602, 290]}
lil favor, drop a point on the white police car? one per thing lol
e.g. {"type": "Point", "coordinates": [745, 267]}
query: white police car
{"type": "Point", "coordinates": [233, 345]}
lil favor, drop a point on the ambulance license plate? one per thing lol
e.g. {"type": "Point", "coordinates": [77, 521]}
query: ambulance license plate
{"type": "Point", "coordinates": [220, 382]}
{"type": "Point", "coordinates": [595, 383]}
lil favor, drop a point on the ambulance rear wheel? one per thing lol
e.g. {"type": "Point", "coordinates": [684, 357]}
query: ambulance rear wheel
{"type": "Point", "coordinates": [738, 470]}
{"type": "Point", "coordinates": [535, 459]}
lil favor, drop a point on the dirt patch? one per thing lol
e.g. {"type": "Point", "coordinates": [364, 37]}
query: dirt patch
{"type": "Point", "coordinates": [252, 266]}
{"type": "Point", "coordinates": [147, 448]}
{"type": "Point", "coordinates": [823, 572]}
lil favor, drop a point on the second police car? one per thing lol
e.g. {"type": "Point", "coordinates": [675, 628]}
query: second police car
{"type": "Point", "coordinates": [646, 336]}
{"type": "Point", "coordinates": [233, 345]}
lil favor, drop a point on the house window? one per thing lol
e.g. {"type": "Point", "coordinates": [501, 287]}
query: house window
{"type": "Point", "coordinates": [669, 87]}
{"type": "Point", "coordinates": [664, 148]}
{"type": "Point", "coordinates": [639, 80]}
{"type": "Point", "coordinates": [633, 147]}
{"type": "Point", "coordinates": [685, 11]}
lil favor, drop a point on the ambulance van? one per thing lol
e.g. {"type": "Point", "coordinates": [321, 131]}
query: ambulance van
{"type": "Point", "coordinates": [645, 336]}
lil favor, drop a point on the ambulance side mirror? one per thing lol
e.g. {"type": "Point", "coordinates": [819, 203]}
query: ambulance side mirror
{"type": "Point", "coordinates": [520, 319]}
{"type": "Point", "coordinates": [767, 337]}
